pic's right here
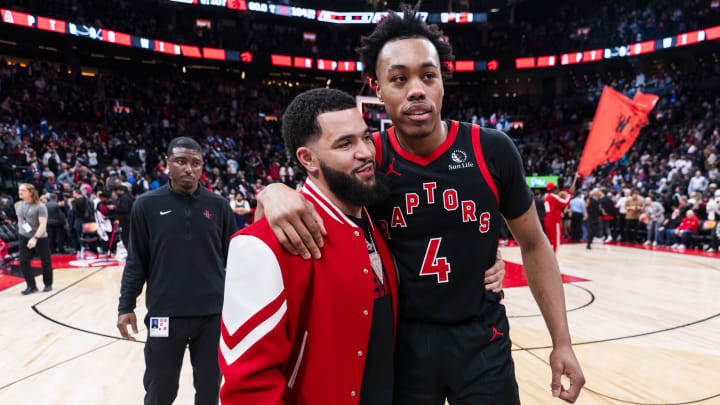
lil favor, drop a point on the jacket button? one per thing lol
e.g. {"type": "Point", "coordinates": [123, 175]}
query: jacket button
{"type": "Point", "coordinates": [365, 312]}
{"type": "Point", "coordinates": [359, 353]}
{"type": "Point", "coordinates": [352, 394]}
{"type": "Point", "coordinates": [357, 233]}
{"type": "Point", "coordinates": [365, 271]}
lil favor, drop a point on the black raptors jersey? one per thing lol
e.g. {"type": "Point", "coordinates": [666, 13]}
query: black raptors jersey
{"type": "Point", "coordinates": [442, 219]}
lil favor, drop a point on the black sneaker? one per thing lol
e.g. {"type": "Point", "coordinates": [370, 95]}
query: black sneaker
{"type": "Point", "coordinates": [28, 291]}
{"type": "Point", "coordinates": [47, 288]}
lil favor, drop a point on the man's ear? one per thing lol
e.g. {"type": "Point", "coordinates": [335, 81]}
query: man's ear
{"type": "Point", "coordinates": [376, 87]}
{"type": "Point", "coordinates": [307, 158]}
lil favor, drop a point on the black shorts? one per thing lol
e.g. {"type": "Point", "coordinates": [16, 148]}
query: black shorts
{"type": "Point", "coordinates": [467, 363]}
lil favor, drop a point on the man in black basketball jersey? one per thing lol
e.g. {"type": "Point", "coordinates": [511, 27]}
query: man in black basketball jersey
{"type": "Point", "coordinates": [450, 184]}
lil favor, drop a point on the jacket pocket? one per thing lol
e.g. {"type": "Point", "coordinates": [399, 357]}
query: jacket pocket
{"type": "Point", "coordinates": [298, 361]}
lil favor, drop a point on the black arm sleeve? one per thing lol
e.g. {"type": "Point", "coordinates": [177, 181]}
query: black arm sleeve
{"type": "Point", "coordinates": [506, 168]}
{"type": "Point", "coordinates": [136, 266]}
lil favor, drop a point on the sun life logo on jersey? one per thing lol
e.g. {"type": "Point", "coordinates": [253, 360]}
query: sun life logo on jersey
{"type": "Point", "coordinates": [460, 157]}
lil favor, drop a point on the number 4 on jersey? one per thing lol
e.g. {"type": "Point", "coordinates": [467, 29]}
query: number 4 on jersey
{"type": "Point", "coordinates": [433, 265]}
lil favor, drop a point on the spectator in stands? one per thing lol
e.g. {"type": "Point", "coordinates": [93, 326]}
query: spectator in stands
{"type": "Point", "coordinates": [592, 214]}
{"type": "Point", "coordinates": [82, 211]}
{"type": "Point", "coordinates": [56, 224]}
{"type": "Point", "coordinates": [665, 232]}
{"type": "Point", "coordinates": [50, 185]}
{"type": "Point", "coordinates": [699, 183]}
{"type": "Point", "coordinates": [241, 208]}
{"type": "Point", "coordinates": [607, 207]}
{"type": "Point", "coordinates": [577, 212]}
{"type": "Point", "coordinates": [32, 226]}
{"type": "Point", "coordinates": [655, 214]}
{"type": "Point", "coordinates": [634, 206]}
{"type": "Point", "coordinates": [274, 171]}
{"type": "Point", "coordinates": [620, 201]}
{"type": "Point", "coordinates": [286, 173]}
{"type": "Point", "coordinates": [123, 209]}
{"type": "Point", "coordinates": [687, 227]}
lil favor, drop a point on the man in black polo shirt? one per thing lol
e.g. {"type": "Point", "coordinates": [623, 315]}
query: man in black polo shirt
{"type": "Point", "coordinates": [179, 237]}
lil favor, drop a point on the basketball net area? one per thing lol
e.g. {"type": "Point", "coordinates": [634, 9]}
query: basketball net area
{"type": "Point", "coordinates": [373, 111]}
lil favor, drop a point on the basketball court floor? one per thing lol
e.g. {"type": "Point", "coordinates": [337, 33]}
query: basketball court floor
{"type": "Point", "coordinates": [645, 325]}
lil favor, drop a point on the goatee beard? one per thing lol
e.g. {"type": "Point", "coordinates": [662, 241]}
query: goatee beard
{"type": "Point", "coordinates": [353, 191]}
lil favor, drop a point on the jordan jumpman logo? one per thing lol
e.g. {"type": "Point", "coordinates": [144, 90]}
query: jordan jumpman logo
{"type": "Point", "coordinates": [495, 333]}
{"type": "Point", "coordinates": [391, 169]}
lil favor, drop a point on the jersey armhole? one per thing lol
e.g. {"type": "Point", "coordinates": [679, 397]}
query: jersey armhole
{"type": "Point", "coordinates": [378, 147]}
{"type": "Point", "coordinates": [477, 148]}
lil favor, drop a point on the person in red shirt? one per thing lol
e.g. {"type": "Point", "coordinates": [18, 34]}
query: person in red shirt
{"type": "Point", "coordinates": [274, 171]}
{"type": "Point", "coordinates": [687, 227]}
{"type": "Point", "coordinates": [554, 205]}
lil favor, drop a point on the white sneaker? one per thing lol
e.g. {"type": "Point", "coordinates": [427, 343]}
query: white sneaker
{"type": "Point", "coordinates": [711, 250]}
{"type": "Point", "coordinates": [674, 246]}
{"type": "Point", "coordinates": [655, 243]}
{"type": "Point", "coordinates": [647, 242]}
{"type": "Point", "coordinates": [609, 239]}
{"type": "Point", "coordinates": [681, 246]}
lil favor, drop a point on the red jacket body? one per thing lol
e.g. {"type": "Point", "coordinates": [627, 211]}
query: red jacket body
{"type": "Point", "coordinates": [296, 331]}
{"type": "Point", "coordinates": [689, 224]}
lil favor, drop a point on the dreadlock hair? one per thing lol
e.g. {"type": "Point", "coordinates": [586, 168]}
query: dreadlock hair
{"type": "Point", "coordinates": [394, 27]}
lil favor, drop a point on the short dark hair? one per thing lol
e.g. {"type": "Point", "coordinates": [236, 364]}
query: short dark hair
{"type": "Point", "coordinates": [183, 142]}
{"type": "Point", "coordinates": [393, 27]}
{"type": "Point", "coordinates": [299, 122]}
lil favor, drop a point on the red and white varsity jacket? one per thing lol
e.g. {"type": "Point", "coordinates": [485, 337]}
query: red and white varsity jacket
{"type": "Point", "coordinates": [296, 331]}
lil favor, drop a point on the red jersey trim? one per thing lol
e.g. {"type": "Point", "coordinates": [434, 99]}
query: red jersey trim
{"type": "Point", "coordinates": [425, 160]}
{"type": "Point", "coordinates": [477, 148]}
{"type": "Point", "coordinates": [378, 147]}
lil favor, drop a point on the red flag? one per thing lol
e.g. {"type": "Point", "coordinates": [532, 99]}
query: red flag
{"type": "Point", "coordinates": [615, 127]}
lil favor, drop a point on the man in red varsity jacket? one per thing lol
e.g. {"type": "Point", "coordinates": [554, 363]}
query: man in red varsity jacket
{"type": "Point", "coordinates": [321, 331]}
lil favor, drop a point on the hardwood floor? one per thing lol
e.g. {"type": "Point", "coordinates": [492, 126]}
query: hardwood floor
{"type": "Point", "coordinates": [646, 329]}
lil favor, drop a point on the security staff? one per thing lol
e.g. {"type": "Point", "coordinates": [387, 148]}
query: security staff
{"type": "Point", "coordinates": [179, 236]}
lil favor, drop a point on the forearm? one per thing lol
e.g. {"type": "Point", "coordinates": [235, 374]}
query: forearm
{"type": "Point", "coordinates": [41, 228]}
{"type": "Point", "coordinates": [543, 276]}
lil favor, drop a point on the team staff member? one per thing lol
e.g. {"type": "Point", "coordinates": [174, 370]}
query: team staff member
{"type": "Point", "coordinates": [179, 235]}
{"type": "Point", "coordinates": [320, 331]}
{"type": "Point", "coordinates": [32, 224]}
{"type": "Point", "coordinates": [451, 184]}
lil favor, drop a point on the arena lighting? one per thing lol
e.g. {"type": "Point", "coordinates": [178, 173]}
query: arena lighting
{"type": "Point", "coordinates": [335, 17]}
{"type": "Point", "coordinates": [639, 48]}
{"type": "Point", "coordinates": [524, 63]}
{"type": "Point", "coordinates": [546, 61]}
{"type": "Point", "coordinates": [119, 38]}
{"type": "Point", "coordinates": [281, 60]}
{"type": "Point", "coordinates": [202, 23]}
{"type": "Point", "coordinates": [464, 66]}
